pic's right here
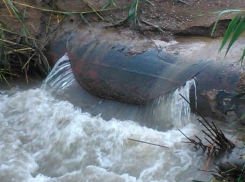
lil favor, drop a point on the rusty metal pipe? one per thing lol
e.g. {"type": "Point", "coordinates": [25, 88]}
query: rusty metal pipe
{"type": "Point", "coordinates": [111, 69]}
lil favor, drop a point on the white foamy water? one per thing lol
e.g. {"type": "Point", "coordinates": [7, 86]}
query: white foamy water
{"type": "Point", "coordinates": [44, 139]}
{"type": "Point", "coordinates": [172, 108]}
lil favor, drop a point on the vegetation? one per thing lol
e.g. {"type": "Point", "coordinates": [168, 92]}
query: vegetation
{"type": "Point", "coordinates": [134, 18]}
{"type": "Point", "coordinates": [234, 31]}
{"type": "Point", "coordinates": [19, 50]}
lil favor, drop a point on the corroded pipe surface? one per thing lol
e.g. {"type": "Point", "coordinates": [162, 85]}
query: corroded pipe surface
{"type": "Point", "coordinates": [112, 70]}
{"type": "Point", "coordinates": [134, 71]}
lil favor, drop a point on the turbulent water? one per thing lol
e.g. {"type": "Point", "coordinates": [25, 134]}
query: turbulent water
{"type": "Point", "coordinates": [45, 139]}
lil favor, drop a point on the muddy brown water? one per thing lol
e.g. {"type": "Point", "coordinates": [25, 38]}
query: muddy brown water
{"type": "Point", "coordinates": [45, 138]}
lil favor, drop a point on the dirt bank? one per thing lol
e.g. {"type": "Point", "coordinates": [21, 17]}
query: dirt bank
{"type": "Point", "coordinates": [189, 17]}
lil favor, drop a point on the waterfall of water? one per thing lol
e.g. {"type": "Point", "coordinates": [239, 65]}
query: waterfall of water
{"type": "Point", "coordinates": [173, 109]}
{"type": "Point", "coordinates": [61, 75]}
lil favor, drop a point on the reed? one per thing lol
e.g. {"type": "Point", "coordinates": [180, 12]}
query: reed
{"type": "Point", "coordinates": [20, 51]}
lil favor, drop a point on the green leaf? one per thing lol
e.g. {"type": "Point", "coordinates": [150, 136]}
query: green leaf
{"type": "Point", "coordinates": [132, 10]}
{"type": "Point", "coordinates": [229, 31]}
{"type": "Point", "coordinates": [242, 117]}
{"type": "Point", "coordinates": [114, 4]}
{"type": "Point", "coordinates": [221, 13]}
{"type": "Point", "coordinates": [242, 57]}
{"type": "Point", "coordinates": [85, 20]}
{"type": "Point", "coordinates": [155, 26]}
{"type": "Point", "coordinates": [240, 28]}
{"type": "Point", "coordinates": [24, 14]}
{"type": "Point", "coordinates": [123, 22]}
{"type": "Point", "coordinates": [106, 5]}
{"type": "Point", "coordinates": [67, 13]}
{"type": "Point", "coordinates": [150, 3]}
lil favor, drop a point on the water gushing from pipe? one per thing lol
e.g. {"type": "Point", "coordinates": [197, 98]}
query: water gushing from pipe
{"type": "Point", "coordinates": [173, 109]}
{"type": "Point", "coordinates": [61, 76]}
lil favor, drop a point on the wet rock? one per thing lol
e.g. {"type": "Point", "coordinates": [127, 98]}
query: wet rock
{"type": "Point", "coordinates": [232, 168]}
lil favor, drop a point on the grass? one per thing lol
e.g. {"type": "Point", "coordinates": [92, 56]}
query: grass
{"type": "Point", "coordinates": [17, 57]}
{"type": "Point", "coordinates": [133, 17]}
{"type": "Point", "coordinates": [19, 50]}
{"type": "Point", "coordinates": [109, 3]}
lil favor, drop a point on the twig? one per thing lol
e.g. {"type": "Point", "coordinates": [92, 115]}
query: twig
{"type": "Point", "coordinates": [8, 8]}
{"type": "Point", "coordinates": [148, 143]}
{"type": "Point", "coordinates": [95, 11]}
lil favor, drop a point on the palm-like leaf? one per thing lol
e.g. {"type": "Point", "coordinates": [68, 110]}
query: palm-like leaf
{"type": "Point", "coordinates": [229, 31]}
{"type": "Point", "coordinates": [233, 32]}
{"type": "Point", "coordinates": [219, 15]}
{"type": "Point", "coordinates": [238, 30]}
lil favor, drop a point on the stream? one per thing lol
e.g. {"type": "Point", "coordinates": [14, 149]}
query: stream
{"type": "Point", "coordinates": [46, 138]}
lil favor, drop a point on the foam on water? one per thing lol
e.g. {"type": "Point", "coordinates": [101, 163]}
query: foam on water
{"type": "Point", "coordinates": [44, 139]}
{"type": "Point", "coordinates": [172, 108]}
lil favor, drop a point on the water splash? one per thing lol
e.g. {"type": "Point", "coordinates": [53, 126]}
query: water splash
{"type": "Point", "coordinates": [61, 75]}
{"type": "Point", "coordinates": [173, 109]}
{"type": "Point", "coordinates": [46, 140]}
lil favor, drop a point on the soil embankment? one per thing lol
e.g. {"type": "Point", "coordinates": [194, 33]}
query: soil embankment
{"type": "Point", "coordinates": [189, 17]}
